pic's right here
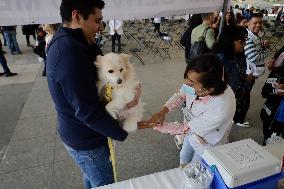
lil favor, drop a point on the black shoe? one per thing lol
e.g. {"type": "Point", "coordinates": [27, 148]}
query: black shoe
{"type": "Point", "coordinates": [10, 74]}
{"type": "Point", "coordinates": [1, 73]}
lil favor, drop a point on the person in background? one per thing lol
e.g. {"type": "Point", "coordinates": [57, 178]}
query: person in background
{"type": "Point", "coordinates": [115, 30]}
{"type": "Point", "coordinates": [237, 10]}
{"type": "Point", "coordinates": [246, 14]}
{"type": "Point", "coordinates": [3, 62]}
{"type": "Point", "coordinates": [2, 32]}
{"type": "Point", "coordinates": [256, 50]}
{"type": "Point", "coordinates": [231, 51]}
{"type": "Point", "coordinates": [229, 20]}
{"type": "Point", "coordinates": [241, 21]}
{"type": "Point", "coordinates": [157, 25]}
{"type": "Point", "coordinates": [10, 36]}
{"type": "Point", "coordinates": [41, 44]}
{"type": "Point", "coordinates": [185, 41]}
{"type": "Point", "coordinates": [28, 30]}
{"type": "Point", "coordinates": [50, 30]}
{"type": "Point", "coordinates": [197, 32]}
{"type": "Point", "coordinates": [209, 109]}
{"type": "Point", "coordinates": [272, 112]}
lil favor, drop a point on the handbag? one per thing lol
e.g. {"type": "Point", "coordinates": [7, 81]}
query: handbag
{"type": "Point", "coordinates": [279, 61]}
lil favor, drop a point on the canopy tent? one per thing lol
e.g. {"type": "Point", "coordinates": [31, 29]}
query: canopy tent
{"type": "Point", "coordinates": [278, 2]}
{"type": "Point", "coordinates": [257, 3]}
{"type": "Point", "coordinates": [21, 12]}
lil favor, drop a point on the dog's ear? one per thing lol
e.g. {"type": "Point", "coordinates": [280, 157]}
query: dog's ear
{"type": "Point", "coordinates": [126, 57]}
{"type": "Point", "coordinates": [98, 60]}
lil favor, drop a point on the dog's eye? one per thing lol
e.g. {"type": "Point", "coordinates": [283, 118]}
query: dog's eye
{"type": "Point", "coordinates": [110, 71]}
{"type": "Point", "coordinates": [121, 69]}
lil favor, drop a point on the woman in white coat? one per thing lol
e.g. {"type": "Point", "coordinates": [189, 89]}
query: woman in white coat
{"type": "Point", "coordinates": [209, 107]}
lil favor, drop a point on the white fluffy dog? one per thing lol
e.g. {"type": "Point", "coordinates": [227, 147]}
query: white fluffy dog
{"type": "Point", "coordinates": [116, 71]}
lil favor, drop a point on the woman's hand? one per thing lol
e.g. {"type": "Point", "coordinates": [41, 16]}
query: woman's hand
{"type": "Point", "coordinates": [135, 100]}
{"type": "Point", "coordinates": [159, 117]}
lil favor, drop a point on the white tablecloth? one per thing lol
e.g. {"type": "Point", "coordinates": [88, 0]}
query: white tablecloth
{"type": "Point", "coordinates": [276, 149]}
{"type": "Point", "coordinates": [170, 179]}
{"type": "Point", "coordinates": [173, 178]}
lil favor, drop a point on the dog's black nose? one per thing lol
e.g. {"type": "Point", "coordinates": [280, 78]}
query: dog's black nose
{"type": "Point", "coordinates": [119, 81]}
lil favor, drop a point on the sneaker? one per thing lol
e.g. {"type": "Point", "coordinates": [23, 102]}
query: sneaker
{"type": "Point", "coordinates": [10, 74]}
{"type": "Point", "coordinates": [245, 124]}
{"type": "Point", "coordinates": [273, 139]}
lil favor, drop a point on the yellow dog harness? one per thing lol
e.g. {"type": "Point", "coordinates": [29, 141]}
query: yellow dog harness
{"type": "Point", "coordinates": [107, 99]}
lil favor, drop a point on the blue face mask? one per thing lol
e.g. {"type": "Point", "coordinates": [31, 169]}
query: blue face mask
{"type": "Point", "coordinates": [188, 90]}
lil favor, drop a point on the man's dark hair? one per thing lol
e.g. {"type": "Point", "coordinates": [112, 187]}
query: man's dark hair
{"type": "Point", "coordinates": [84, 7]}
{"type": "Point", "coordinates": [205, 16]}
{"type": "Point", "coordinates": [237, 6]}
{"type": "Point", "coordinates": [256, 15]}
{"type": "Point", "coordinates": [211, 69]}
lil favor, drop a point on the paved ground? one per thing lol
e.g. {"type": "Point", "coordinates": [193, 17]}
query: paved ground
{"type": "Point", "coordinates": [31, 154]}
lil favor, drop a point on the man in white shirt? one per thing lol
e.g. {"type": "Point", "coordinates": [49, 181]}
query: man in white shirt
{"type": "Point", "coordinates": [157, 24]}
{"type": "Point", "coordinates": [116, 32]}
{"type": "Point", "coordinates": [237, 10]}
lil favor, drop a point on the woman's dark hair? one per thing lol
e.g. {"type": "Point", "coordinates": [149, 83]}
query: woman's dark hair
{"type": "Point", "coordinates": [232, 18]}
{"type": "Point", "coordinates": [227, 38]}
{"type": "Point", "coordinates": [84, 7]}
{"type": "Point", "coordinates": [195, 20]}
{"type": "Point", "coordinates": [239, 18]}
{"type": "Point", "coordinates": [211, 69]}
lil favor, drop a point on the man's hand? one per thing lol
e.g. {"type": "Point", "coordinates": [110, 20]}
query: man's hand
{"type": "Point", "coordinates": [266, 43]}
{"type": "Point", "coordinates": [144, 125]}
{"type": "Point", "coordinates": [270, 64]}
{"type": "Point", "coordinates": [135, 101]}
{"type": "Point", "coordinates": [250, 77]}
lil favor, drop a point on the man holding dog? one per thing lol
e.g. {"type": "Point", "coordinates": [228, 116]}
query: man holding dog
{"type": "Point", "coordinates": [83, 123]}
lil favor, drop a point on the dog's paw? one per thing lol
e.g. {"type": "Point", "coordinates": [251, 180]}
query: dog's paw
{"type": "Point", "coordinates": [130, 125]}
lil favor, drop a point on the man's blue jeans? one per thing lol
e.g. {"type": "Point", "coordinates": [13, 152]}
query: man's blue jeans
{"type": "Point", "coordinates": [11, 39]}
{"type": "Point", "coordinates": [95, 165]}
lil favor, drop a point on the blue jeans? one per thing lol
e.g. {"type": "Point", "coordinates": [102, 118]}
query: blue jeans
{"type": "Point", "coordinates": [95, 165]}
{"type": "Point", "coordinates": [187, 153]}
{"type": "Point", "coordinates": [11, 39]}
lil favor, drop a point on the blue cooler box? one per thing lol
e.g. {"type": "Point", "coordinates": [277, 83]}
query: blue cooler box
{"type": "Point", "coordinates": [266, 183]}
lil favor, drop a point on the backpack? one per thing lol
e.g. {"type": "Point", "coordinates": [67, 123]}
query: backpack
{"type": "Point", "coordinates": [199, 47]}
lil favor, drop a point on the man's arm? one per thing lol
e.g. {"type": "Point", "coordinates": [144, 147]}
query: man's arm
{"type": "Point", "coordinates": [210, 38]}
{"type": "Point", "coordinates": [251, 53]}
{"type": "Point", "coordinates": [79, 87]}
